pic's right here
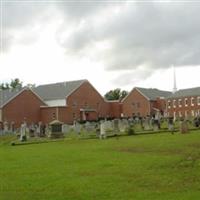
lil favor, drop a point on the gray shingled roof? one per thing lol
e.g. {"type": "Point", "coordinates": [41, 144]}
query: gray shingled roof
{"type": "Point", "coordinates": [186, 92]}
{"type": "Point", "coordinates": [153, 93]}
{"type": "Point", "coordinates": [7, 95]}
{"type": "Point", "coordinates": [57, 90]}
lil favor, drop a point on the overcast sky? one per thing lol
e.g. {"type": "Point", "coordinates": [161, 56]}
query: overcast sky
{"type": "Point", "coordinates": [111, 43]}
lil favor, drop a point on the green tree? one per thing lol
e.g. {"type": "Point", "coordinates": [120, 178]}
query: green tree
{"type": "Point", "coordinates": [14, 84]}
{"type": "Point", "coordinates": [116, 94]}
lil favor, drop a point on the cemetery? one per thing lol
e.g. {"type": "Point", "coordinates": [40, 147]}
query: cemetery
{"type": "Point", "coordinates": [141, 166]}
{"type": "Point", "coordinates": [66, 147]}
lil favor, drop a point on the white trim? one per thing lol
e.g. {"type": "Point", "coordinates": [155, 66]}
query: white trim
{"type": "Point", "coordinates": [168, 106]}
{"type": "Point", "coordinates": [191, 101]}
{"type": "Point", "coordinates": [186, 99]}
{"type": "Point", "coordinates": [180, 104]}
{"type": "Point", "coordinates": [198, 100]}
{"type": "Point", "coordinates": [174, 103]}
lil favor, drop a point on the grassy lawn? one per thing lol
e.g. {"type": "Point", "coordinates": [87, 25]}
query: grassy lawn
{"type": "Point", "coordinates": [155, 166]}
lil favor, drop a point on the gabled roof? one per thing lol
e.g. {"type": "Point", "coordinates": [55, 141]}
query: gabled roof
{"type": "Point", "coordinates": [186, 93]}
{"type": "Point", "coordinates": [57, 90]}
{"type": "Point", "coordinates": [153, 93]}
{"type": "Point", "coordinates": [7, 95]}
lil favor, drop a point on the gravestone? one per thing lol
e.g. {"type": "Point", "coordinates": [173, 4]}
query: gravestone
{"type": "Point", "coordinates": [116, 125]}
{"type": "Point", "coordinates": [102, 130]}
{"type": "Point", "coordinates": [77, 127]}
{"type": "Point", "coordinates": [65, 128]}
{"type": "Point", "coordinates": [32, 130]}
{"type": "Point", "coordinates": [5, 127]}
{"type": "Point", "coordinates": [171, 124]}
{"type": "Point", "coordinates": [56, 129]}
{"type": "Point", "coordinates": [12, 127]}
{"type": "Point", "coordinates": [23, 136]}
{"type": "Point", "coordinates": [184, 126]}
{"type": "Point", "coordinates": [146, 124]}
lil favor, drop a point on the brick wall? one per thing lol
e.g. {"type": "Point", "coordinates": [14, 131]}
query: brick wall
{"type": "Point", "coordinates": [25, 106]}
{"type": "Point", "coordinates": [135, 103]}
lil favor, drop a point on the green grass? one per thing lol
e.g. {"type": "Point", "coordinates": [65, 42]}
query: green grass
{"type": "Point", "coordinates": [153, 167]}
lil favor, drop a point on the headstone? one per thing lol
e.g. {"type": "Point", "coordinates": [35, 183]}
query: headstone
{"type": "Point", "coordinates": [12, 127]}
{"type": "Point", "coordinates": [102, 130]}
{"type": "Point", "coordinates": [184, 127]}
{"type": "Point", "coordinates": [156, 125]}
{"type": "Point", "coordinates": [5, 127]}
{"type": "Point", "coordinates": [171, 124]}
{"type": "Point", "coordinates": [146, 124]}
{"type": "Point", "coordinates": [23, 132]}
{"type": "Point", "coordinates": [77, 127]}
{"type": "Point", "coordinates": [116, 125]}
{"type": "Point", "coordinates": [56, 129]}
{"type": "Point", "coordinates": [65, 128]}
{"type": "Point", "coordinates": [32, 130]}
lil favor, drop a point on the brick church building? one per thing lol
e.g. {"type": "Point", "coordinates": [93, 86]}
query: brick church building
{"type": "Point", "coordinates": [80, 101]}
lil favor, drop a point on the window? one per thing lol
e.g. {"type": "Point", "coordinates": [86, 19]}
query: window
{"type": "Point", "coordinates": [74, 104]}
{"type": "Point", "coordinates": [174, 103]}
{"type": "Point", "coordinates": [74, 115]}
{"type": "Point", "coordinates": [192, 101]}
{"type": "Point", "coordinates": [180, 102]}
{"type": "Point", "coordinates": [169, 104]}
{"type": "Point", "coordinates": [198, 100]}
{"type": "Point", "coordinates": [186, 102]}
{"type": "Point", "coordinates": [54, 115]}
{"type": "Point", "coordinates": [186, 113]}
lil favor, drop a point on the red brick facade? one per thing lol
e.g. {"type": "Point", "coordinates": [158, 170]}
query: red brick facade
{"type": "Point", "coordinates": [136, 104]}
{"type": "Point", "coordinates": [25, 106]}
{"type": "Point", "coordinates": [85, 103]}
{"type": "Point", "coordinates": [183, 106]}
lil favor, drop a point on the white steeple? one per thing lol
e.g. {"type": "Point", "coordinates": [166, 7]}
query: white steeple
{"type": "Point", "coordinates": [174, 88]}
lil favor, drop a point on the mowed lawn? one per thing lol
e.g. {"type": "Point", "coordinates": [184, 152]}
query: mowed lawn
{"type": "Point", "coordinates": [157, 166]}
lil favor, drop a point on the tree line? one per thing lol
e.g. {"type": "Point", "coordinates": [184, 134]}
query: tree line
{"type": "Point", "coordinates": [115, 94]}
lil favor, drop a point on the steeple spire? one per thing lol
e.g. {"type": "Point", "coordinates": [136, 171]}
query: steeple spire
{"type": "Point", "coordinates": [174, 88]}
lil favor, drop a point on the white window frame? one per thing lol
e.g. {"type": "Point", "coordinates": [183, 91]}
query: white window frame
{"type": "Point", "coordinates": [186, 99]}
{"type": "Point", "coordinates": [174, 103]}
{"type": "Point", "coordinates": [191, 101]}
{"type": "Point", "coordinates": [169, 104]}
{"type": "Point", "coordinates": [180, 102]}
{"type": "Point", "coordinates": [198, 101]}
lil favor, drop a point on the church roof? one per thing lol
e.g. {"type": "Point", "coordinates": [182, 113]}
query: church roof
{"type": "Point", "coordinates": [57, 90]}
{"type": "Point", "coordinates": [186, 93]}
{"type": "Point", "coordinates": [153, 93]}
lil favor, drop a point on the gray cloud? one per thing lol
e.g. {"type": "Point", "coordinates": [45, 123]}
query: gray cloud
{"type": "Point", "coordinates": [151, 34]}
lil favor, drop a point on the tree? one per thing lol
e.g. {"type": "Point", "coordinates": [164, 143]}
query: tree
{"type": "Point", "coordinates": [14, 84]}
{"type": "Point", "coordinates": [116, 94]}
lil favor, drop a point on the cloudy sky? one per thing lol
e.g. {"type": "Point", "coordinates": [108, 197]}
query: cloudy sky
{"type": "Point", "coordinates": [111, 43]}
